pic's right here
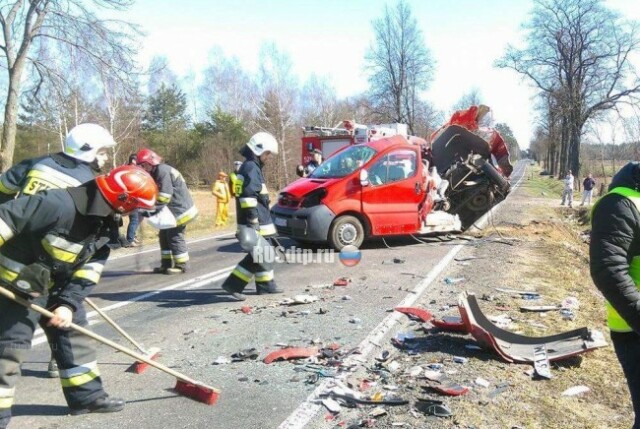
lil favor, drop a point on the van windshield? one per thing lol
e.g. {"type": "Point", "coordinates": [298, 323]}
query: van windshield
{"type": "Point", "coordinates": [344, 163]}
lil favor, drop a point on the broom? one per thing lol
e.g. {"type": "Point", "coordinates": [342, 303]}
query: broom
{"type": "Point", "coordinates": [184, 385]}
{"type": "Point", "coordinates": [137, 367]}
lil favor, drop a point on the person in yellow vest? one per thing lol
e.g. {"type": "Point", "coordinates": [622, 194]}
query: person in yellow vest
{"type": "Point", "coordinates": [220, 190]}
{"type": "Point", "coordinates": [614, 258]}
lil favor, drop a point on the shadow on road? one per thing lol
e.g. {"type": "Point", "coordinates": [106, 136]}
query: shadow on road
{"type": "Point", "coordinates": [173, 298]}
{"type": "Point", "coordinates": [39, 410]}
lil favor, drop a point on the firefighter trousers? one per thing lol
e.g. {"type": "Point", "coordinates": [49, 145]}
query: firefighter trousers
{"type": "Point", "coordinates": [173, 247]}
{"type": "Point", "coordinates": [75, 354]}
{"type": "Point", "coordinates": [257, 263]}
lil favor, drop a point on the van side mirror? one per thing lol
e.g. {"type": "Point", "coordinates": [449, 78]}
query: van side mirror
{"type": "Point", "coordinates": [364, 177]}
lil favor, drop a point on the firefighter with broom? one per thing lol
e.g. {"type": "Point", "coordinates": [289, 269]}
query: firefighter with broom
{"type": "Point", "coordinates": [85, 153]}
{"type": "Point", "coordinates": [53, 247]}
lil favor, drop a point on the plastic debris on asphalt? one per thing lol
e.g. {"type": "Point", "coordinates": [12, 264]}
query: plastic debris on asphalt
{"type": "Point", "coordinates": [299, 299]}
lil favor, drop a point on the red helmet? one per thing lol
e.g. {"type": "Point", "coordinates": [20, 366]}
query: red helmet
{"type": "Point", "coordinates": [128, 188]}
{"type": "Point", "coordinates": [148, 156]}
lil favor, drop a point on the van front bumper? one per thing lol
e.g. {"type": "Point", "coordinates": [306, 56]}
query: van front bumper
{"type": "Point", "coordinates": [308, 224]}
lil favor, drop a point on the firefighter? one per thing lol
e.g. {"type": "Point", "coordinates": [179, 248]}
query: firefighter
{"type": "Point", "coordinates": [174, 194]}
{"type": "Point", "coordinates": [614, 259]}
{"type": "Point", "coordinates": [52, 252]}
{"type": "Point", "coordinates": [85, 152]}
{"type": "Point", "coordinates": [254, 220]}
{"type": "Point", "coordinates": [220, 190]}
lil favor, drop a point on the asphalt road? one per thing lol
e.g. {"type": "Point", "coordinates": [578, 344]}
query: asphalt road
{"type": "Point", "coordinates": [194, 323]}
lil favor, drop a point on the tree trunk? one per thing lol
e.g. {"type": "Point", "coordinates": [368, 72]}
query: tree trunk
{"type": "Point", "coordinates": [564, 148]}
{"type": "Point", "coordinates": [574, 146]}
{"type": "Point", "coordinates": [11, 117]}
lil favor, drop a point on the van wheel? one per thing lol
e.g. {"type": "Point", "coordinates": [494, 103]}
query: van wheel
{"type": "Point", "coordinates": [346, 230]}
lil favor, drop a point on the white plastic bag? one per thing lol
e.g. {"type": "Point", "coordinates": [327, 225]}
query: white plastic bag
{"type": "Point", "coordinates": [164, 219]}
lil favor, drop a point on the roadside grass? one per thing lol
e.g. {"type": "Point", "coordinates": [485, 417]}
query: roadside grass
{"type": "Point", "coordinates": [545, 186]}
{"type": "Point", "coordinates": [554, 262]}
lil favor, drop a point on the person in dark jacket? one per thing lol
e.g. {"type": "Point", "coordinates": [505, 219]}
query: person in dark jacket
{"type": "Point", "coordinates": [587, 185]}
{"type": "Point", "coordinates": [53, 247]}
{"type": "Point", "coordinates": [614, 254]}
{"type": "Point", "coordinates": [316, 160]}
{"type": "Point", "coordinates": [254, 220]}
{"type": "Point", "coordinates": [86, 151]}
{"type": "Point", "coordinates": [174, 194]}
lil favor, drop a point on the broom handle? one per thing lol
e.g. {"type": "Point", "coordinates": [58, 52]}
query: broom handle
{"type": "Point", "coordinates": [115, 326]}
{"type": "Point", "coordinates": [105, 341]}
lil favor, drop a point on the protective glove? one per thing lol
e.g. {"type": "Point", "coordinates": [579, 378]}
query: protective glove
{"type": "Point", "coordinates": [264, 199]}
{"type": "Point", "coordinates": [63, 316]}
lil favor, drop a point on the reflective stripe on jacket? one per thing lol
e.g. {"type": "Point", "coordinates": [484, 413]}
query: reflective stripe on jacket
{"type": "Point", "coordinates": [39, 174]}
{"type": "Point", "coordinates": [252, 203]}
{"type": "Point", "coordinates": [53, 228]}
{"type": "Point", "coordinates": [173, 192]}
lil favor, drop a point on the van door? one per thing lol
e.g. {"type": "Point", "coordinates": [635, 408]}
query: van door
{"type": "Point", "coordinates": [393, 194]}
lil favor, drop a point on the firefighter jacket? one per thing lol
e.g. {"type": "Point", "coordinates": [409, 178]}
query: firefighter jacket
{"type": "Point", "coordinates": [64, 230]}
{"type": "Point", "coordinates": [614, 249]}
{"type": "Point", "coordinates": [173, 193]}
{"type": "Point", "coordinates": [39, 174]}
{"type": "Point", "coordinates": [252, 204]}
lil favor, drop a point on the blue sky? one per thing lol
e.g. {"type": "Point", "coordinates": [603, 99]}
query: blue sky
{"type": "Point", "coordinates": [330, 38]}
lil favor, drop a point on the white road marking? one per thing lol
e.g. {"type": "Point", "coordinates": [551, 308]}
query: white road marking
{"type": "Point", "coordinates": [302, 415]}
{"type": "Point", "coordinates": [190, 284]}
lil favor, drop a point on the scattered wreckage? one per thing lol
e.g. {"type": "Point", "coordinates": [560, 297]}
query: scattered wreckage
{"type": "Point", "coordinates": [462, 151]}
{"type": "Point", "coordinates": [510, 346]}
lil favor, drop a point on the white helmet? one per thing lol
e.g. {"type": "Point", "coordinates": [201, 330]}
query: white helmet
{"type": "Point", "coordinates": [85, 140]}
{"type": "Point", "coordinates": [263, 142]}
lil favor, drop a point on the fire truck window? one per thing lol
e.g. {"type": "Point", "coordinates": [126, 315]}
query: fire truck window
{"type": "Point", "coordinates": [344, 163]}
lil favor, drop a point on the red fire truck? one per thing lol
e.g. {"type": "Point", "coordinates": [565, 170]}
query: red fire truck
{"type": "Point", "coordinates": [330, 140]}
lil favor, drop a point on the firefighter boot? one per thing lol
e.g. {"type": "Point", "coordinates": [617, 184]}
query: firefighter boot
{"type": "Point", "coordinates": [178, 269]}
{"type": "Point", "coordinates": [237, 295]}
{"type": "Point", "coordinates": [52, 371]}
{"type": "Point", "coordinates": [101, 405]}
{"type": "Point", "coordinates": [162, 269]}
{"type": "Point", "coordinates": [269, 287]}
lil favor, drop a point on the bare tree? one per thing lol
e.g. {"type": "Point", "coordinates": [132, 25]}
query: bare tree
{"type": "Point", "coordinates": [64, 23]}
{"type": "Point", "coordinates": [580, 51]}
{"type": "Point", "coordinates": [319, 102]}
{"type": "Point", "coordinates": [276, 104]}
{"type": "Point", "coordinates": [468, 99]}
{"type": "Point", "coordinates": [227, 87]}
{"type": "Point", "coordinates": [400, 66]}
